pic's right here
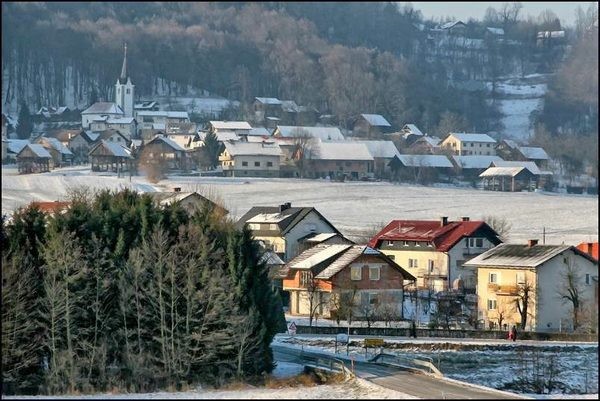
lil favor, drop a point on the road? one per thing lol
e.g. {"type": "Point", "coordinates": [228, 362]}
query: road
{"type": "Point", "coordinates": [414, 384]}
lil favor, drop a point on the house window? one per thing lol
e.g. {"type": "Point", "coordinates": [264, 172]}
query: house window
{"type": "Point", "coordinates": [373, 298]}
{"type": "Point", "coordinates": [390, 243]}
{"type": "Point", "coordinates": [305, 278]}
{"type": "Point", "coordinates": [391, 257]}
{"type": "Point", "coordinates": [405, 243]}
{"type": "Point", "coordinates": [478, 242]}
{"type": "Point", "coordinates": [430, 244]}
{"type": "Point", "coordinates": [417, 243]}
{"type": "Point", "coordinates": [269, 164]}
{"type": "Point", "coordinates": [488, 145]}
{"type": "Point", "coordinates": [374, 273]}
{"type": "Point", "coordinates": [587, 279]}
{"type": "Point", "coordinates": [472, 145]}
{"type": "Point", "coordinates": [256, 164]}
{"type": "Point", "coordinates": [430, 265]}
{"type": "Point", "coordinates": [355, 273]}
{"type": "Point", "coordinates": [491, 304]}
{"type": "Point", "coordinates": [254, 226]}
{"type": "Point", "coordinates": [272, 227]}
{"type": "Point", "coordinates": [128, 91]}
{"type": "Point", "coordinates": [493, 278]}
{"type": "Point", "coordinates": [412, 263]}
{"type": "Point", "coordinates": [348, 164]}
{"type": "Point", "coordinates": [245, 164]}
{"type": "Point", "coordinates": [521, 278]}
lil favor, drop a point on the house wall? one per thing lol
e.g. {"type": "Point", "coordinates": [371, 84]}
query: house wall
{"type": "Point", "coordinates": [354, 168]}
{"type": "Point", "coordinates": [86, 119]}
{"type": "Point", "coordinates": [128, 130]}
{"type": "Point", "coordinates": [448, 265]}
{"type": "Point", "coordinates": [465, 148]}
{"type": "Point", "coordinates": [234, 166]}
{"type": "Point", "coordinates": [311, 223]}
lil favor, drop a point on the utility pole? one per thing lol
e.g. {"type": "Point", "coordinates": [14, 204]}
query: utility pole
{"type": "Point", "coordinates": [544, 235]}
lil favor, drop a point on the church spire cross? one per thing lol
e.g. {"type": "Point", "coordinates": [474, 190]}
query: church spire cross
{"type": "Point", "coordinates": [124, 68]}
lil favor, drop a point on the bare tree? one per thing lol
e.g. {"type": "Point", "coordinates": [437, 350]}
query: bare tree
{"type": "Point", "coordinates": [569, 290]}
{"type": "Point", "coordinates": [509, 13]}
{"type": "Point", "coordinates": [499, 224]}
{"type": "Point", "coordinates": [388, 308]}
{"type": "Point", "coordinates": [367, 233]}
{"type": "Point", "coordinates": [315, 295]}
{"type": "Point", "coordinates": [524, 301]}
{"type": "Point", "coordinates": [305, 148]}
{"type": "Point", "coordinates": [153, 165]}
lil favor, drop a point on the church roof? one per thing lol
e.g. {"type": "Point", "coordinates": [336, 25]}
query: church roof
{"type": "Point", "coordinates": [103, 108]}
{"type": "Point", "coordinates": [123, 77]}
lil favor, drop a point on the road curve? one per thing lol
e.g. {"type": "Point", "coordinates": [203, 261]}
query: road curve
{"type": "Point", "coordinates": [414, 384]}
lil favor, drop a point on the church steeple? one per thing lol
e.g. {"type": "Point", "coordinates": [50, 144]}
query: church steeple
{"type": "Point", "coordinates": [123, 77]}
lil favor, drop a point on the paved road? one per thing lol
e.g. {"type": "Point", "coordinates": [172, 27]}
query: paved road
{"type": "Point", "coordinates": [418, 385]}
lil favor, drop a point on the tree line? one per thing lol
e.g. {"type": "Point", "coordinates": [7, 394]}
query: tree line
{"type": "Point", "coordinates": [119, 293]}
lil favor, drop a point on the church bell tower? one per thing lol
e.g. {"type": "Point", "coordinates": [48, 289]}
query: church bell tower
{"type": "Point", "coordinates": [124, 89]}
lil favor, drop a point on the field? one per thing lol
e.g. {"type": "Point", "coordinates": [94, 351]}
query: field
{"type": "Point", "coordinates": [352, 207]}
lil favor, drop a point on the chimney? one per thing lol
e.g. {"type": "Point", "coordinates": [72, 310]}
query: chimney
{"type": "Point", "coordinates": [285, 206]}
{"type": "Point", "coordinates": [177, 189]}
{"type": "Point", "coordinates": [288, 205]}
{"type": "Point", "coordinates": [444, 221]}
{"type": "Point", "coordinates": [531, 242]}
{"type": "Point", "coordinates": [464, 218]}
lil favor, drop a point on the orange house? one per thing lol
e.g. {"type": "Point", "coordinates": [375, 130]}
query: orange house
{"type": "Point", "coordinates": [326, 278]}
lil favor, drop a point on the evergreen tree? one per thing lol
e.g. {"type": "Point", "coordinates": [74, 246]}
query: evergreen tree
{"type": "Point", "coordinates": [213, 148]}
{"type": "Point", "coordinates": [93, 96]}
{"type": "Point", "coordinates": [24, 123]}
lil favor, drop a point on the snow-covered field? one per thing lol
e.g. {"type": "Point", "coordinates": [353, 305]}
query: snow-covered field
{"type": "Point", "coordinates": [491, 363]}
{"type": "Point", "coordinates": [352, 206]}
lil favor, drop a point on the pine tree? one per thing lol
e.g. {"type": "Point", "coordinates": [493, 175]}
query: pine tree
{"type": "Point", "coordinates": [24, 123]}
{"type": "Point", "coordinates": [213, 148]}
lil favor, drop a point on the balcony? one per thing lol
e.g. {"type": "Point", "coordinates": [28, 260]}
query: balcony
{"type": "Point", "coordinates": [503, 289]}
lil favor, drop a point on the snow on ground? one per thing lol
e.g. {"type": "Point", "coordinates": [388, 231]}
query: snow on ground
{"type": "Point", "coordinates": [491, 363]}
{"type": "Point", "coordinates": [351, 206]}
{"type": "Point", "coordinates": [355, 389]}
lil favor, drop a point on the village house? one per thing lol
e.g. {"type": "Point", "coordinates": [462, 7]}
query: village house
{"type": "Point", "coordinates": [81, 144]}
{"type": "Point", "coordinates": [510, 150]}
{"type": "Point", "coordinates": [266, 107]}
{"type": "Point", "coordinates": [284, 228]}
{"type": "Point", "coordinates": [111, 156]}
{"type": "Point", "coordinates": [314, 239]}
{"type": "Point", "coordinates": [317, 278]}
{"type": "Point", "coordinates": [100, 111]}
{"type": "Point", "coordinates": [161, 148]}
{"type": "Point", "coordinates": [158, 120]}
{"type": "Point", "coordinates": [462, 144]}
{"type": "Point", "coordinates": [510, 179]}
{"type": "Point", "coordinates": [191, 202]}
{"type": "Point", "coordinates": [543, 178]}
{"type": "Point", "coordinates": [339, 160]}
{"type": "Point", "coordinates": [504, 272]}
{"type": "Point", "coordinates": [238, 128]}
{"type": "Point", "coordinates": [181, 128]}
{"type": "Point", "coordinates": [13, 147]}
{"type": "Point", "coordinates": [61, 155]}
{"type": "Point", "coordinates": [591, 248]}
{"type": "Point", "coordinates": [410, 133]}
{"type": "Point", "coordinates": [125, 125]}
{"type": "Point", "coordinates": [383, 152]}
{"type": "Point", "coordinates": [420, 168]}
{"type": "Point", "coordinates": [146, 105]}
{"type": "Point", "coordinates": [33, 158]}
{"type": "Point", "coordinates": [52, 208]}
{"type": "Point", "coordinates": [469, 167]}
{"type": "Point", "coordinates": [371, 126]}
{"type": "Point", "coordinates": [250, 159]}
{"type": "Point", "coordinates": [424, 145]}
{"type": "Point", "coordinates": [435, 251]}
{"type": "Point", "coordinates": [322, 133]}
{"type": "Point", "coordinates": [186, 141]}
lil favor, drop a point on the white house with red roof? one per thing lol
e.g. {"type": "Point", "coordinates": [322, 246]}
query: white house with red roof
{"type": "Point", "coordinates": [435, 251]}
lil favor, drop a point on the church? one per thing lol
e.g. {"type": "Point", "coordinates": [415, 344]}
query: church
{"type": "Point", "coordinates": [117, 113]}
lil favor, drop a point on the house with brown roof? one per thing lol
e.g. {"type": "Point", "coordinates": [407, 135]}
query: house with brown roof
{"type": "Point", "coordinates": [506, 271]}
{"type": "Point", "coordinates": [190, 201]}
{"type": "Point", "coordinates": [51, 208]}
{"type": "Point", "coordinates": [61, 155]}
{"type": "Point", "coordinates": [339, 160]}
{"type": "Point", "coordinates": [319, 278]}
{"type": "Point", "coordinates": [435, 251]}
{"type": "Point", "coordinates": [167, 150]}
{"type": "Point", "coordinates": [111, 156]}
{"type": "Point", "coordinates": [371, 126]}
{"type": "Point", "coordinates": [284, 228]}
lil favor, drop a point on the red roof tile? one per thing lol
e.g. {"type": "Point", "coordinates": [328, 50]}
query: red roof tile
{"type": "Point", "coordinates": [591, 248]}
{"type": "Point", "coordinates": [51, 207]}
{"type": "Point", "coordinates": [443, 237]}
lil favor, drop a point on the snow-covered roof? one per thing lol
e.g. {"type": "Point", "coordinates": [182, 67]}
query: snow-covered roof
{"type": "Point", "coordinates": [324, 133]}
{"type": "Point", "coordinates": [259, 139]}
{"type": "Point", "coordinates": [510, 143]}
{"type": "Point", "coordinates": [531, 166]}
{"type": "Point", "coordinates": [382, 149]}
{"type": "Point", "coordinates": [236, 148]}
{"type": "Point", "coordinates": [100, 119]}
{"type": "Point", "coordinates": [222, 136]}
{"type": "Point", "coordinates": [144, 105]}
{"type": "Point", "coordinates": [122, 120]}
{"type": "Point", "coordinates": [425, 160]}
{"type": "Point", "coordinates": [376, 120]}
{"type": "Point", "coordinates": [57, 145]}
{"type": "Point", "coordinates": [182, 140]}
{"type": "Point", "coordinates": [37, 150]}
{"type": "Point", "coordinates": [289, 106]}
{"type": "Point", "coordinates": [451, 24]}
{"type": "Point", "coordinates": [231, 125]}
{"type": "Point", "coordinates": [340, 151]}
{"type": "Point", "coordinates": [495, 31]}
{"type": "Point", "coordinates": [412, 129]}
{"type": "Point", "coordinates": [476, 161]}
{"type": "Point", "coordinates": [534, 153]}
{"type": "Point", "coordinates": [473, 137]}
{"type": "Point", "coordinates": [517, 255]}
{"type": "Point", "coordinates": [163, 113]}
{"type": "Point", "coordinates": [169, 142]}
{"type": "Point", "coordinates": [433, 141]}
{"type": "Point", "coordinates": [103, 108]}
{"type": "Point", "coordinates": [16, 145]}
{"type": "Point", "coordinates": [116, 149]}
{"type": "Point", "coordinates": [325, 252]}
{"type": "Point", "coordinates": [259, 131]}
{"type": "Point", "coordinates": [268, 100]}
{"type": "Point", "coordinates": [502, 171]}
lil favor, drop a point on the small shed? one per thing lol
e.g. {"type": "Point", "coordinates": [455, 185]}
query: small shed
{"type": "Point", "coordinates": [111, 156]}
{"type": "Point", "coordinates": [512, 179]}
{"type": "Point", "coordinates": [33, 158]}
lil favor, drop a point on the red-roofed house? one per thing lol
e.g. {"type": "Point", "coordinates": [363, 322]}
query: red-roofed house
{"type": "Point", "coordinates": [434, 251]}
{"type": "Point", "coordinates": [591, 248]}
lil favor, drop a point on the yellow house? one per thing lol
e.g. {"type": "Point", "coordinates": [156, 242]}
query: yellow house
{"type": "Point", "coordinates": [506, 272]}
{"type": "Point", "coordinates": [462, 144]}
{"type": "Point", "coordinates": [435, 251]}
